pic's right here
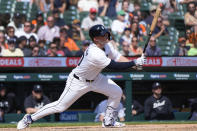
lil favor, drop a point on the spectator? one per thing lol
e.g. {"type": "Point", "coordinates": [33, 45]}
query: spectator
{"type": "Point", "coordinates": [27, 31]}
{"type": "Point", "coordinates": [153, 49]}
{"type": "Point", "coordinates": [149, 19]}
{"type": "Point", "coordinates": [190, 19]}
{"type": "Point", "coordinates": [85, 45]}
{"type": "Point", "coordinates": [126, 51]}
{"type": "Point", "coordinates": [53, 50]}
{"type": "Point", "coordinates": [125, 8]}
{"type": "Point", "coordinates": [32, 42]}
{"type": "Point", "coordinates": [8, 103]}
{"type": "Point", "coordinates": [193, 50]}
{"type": "Point", "coordinates": [36, 100]}
{"type": "Point", "coordinates": [46, 6]}
{"type": "Point", "coordinates": [182, 49]}
{"type": "Point", "coordinates": [58, 21]}
{"type": "Point", "coordinates": [86, 5]}
{"type": "Point", "coordinates": [157, 106]}
{"type": "Point", "coordinates": [4, 20]}
{"type": "Point", "coordinates": [137, 108]}
{"type": "Point", "coordinates": [135, 30]}
{"type": "Point", "coordinates": [75, 31]}
{"type": "Point", "coordinates": [10, 32]}
{"type": "Point", "coordinates": [61, 5]}
{"type": "Point", "coordinates": [49, 31]}
{"type": "Point", "coordinates": [160, 28]}
{"type": "Point", "coordinates": [135, 49]}
{"type": "Point", "coordinates": [108, 9]}
{"type": "Point", "coordinates": [127, 36]}
{"type": "Point", "coordinates": [3, 44]}
{"type": "Point", "coordinates": [17, 22]}
{"type": "Point", "coordinates": [68, 42]}
{"type": "Point", "coordinates": [35, 51]}
{"type": "Point", "coordinates": [42, 47]}
{"type": "Point", "coordinates": [118, 25]}
{"type": "Point", "coordinates": [38, 22]}
{"type": "Point", "coordinates": [100, 111]}
{"type": "Point", "coordinates": [61, 48]}
{"type": "Point", "coordinates": [91, 20]}
{"type": "Point", "coordinates": [193, 106]}
{"type": "Point", "coordinates": [22, 44]}
{"type": "Point", "coordinates": [12, 50]}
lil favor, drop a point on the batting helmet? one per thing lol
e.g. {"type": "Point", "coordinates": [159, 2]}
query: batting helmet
{"type": "Point", "coordinates": [98, 30]}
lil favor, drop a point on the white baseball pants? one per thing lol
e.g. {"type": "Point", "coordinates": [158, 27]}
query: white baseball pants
{"type": "Point", "coordinates": [75, 89]}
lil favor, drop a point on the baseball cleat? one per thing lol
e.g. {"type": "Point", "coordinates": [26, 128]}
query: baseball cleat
{"type": "Point", "coordinates": [25, 122]}
{"type": "Point", "coordinates": [114, 125]}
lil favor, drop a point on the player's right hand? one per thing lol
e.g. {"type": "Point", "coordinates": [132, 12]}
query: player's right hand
{"type": "Point", "coordinates": [140, 62]}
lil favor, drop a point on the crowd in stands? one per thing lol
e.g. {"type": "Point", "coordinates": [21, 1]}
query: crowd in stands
{"type": "Point", "coordinates": [55, 31]}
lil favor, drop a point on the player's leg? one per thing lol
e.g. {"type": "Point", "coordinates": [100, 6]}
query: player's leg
{"type": "Point", "coordinates": [109, 88]}
{"type": "Point", "coordinates": [73, 90]}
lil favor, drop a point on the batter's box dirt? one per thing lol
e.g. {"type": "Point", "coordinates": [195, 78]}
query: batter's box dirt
{"type": "Point", "coordinates": [139, 127]}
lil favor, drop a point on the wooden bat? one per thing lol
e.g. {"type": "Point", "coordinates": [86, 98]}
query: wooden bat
{"type": "Point", "coordinates": [154, 22]}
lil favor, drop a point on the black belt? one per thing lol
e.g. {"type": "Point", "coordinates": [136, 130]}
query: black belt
{"type": "Point", "coordinates": [77, 77]}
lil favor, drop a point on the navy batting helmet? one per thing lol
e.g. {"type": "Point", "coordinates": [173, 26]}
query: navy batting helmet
{"type": "Point", "coordinates": [98, 30]}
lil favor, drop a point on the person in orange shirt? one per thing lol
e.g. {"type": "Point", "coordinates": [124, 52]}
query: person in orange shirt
{"type": "Point", "coordinates": [68, 42]}
{"type": "Point", "coordinates": [135, 49]}
{"type": "Point", "coordinates": [38, 22]}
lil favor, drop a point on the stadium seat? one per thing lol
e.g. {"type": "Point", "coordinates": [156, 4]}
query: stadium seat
{"type": "Point", "coordinates": [82, 15]}
{"type": "Point", "coordinates": [181, 115]}
{"type": "Point", "coordinates": [107, 21]}
{"type": "Point", "coordinates": [86, 117]}
{"type": "Point", "coordinates": [139, 117]}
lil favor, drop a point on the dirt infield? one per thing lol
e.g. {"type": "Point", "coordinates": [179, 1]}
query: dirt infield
{"type": "Point", "coordinates": [139, 127]}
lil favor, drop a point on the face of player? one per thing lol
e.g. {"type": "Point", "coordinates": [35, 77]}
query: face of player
{"type": "Point", "coordinates": [157, 91]}
{"type": "Point", "coordinates": [100, 41]}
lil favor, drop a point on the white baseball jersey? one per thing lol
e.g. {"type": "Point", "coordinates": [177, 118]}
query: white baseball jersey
{"type": "Point", "coordinates": [94, 60]}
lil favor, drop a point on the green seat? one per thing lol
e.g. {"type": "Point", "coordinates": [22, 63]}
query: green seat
{"type": "Point", "coordinates": [181, 115]}
{"type": "Point", "coordinates": [82, 15]}
{"type": "Point", "coordinates": [107, 21]}
{"type": "Point", "coordinates": [139, 117]}
{"type": "Point", "coordinates": [86, 117]}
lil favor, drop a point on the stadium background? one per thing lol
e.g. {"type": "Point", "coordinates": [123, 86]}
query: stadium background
{"type": "Point", "coordinates": [18, 78]}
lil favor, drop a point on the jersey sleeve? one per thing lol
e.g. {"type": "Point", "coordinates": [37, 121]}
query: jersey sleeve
{"type": "Point", "coordinates": [99, 59]}
{"type": "Point", "coordinates": [113, 53]}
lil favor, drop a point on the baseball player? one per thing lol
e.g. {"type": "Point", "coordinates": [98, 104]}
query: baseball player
{"type": "Point", "coordinates": [87, 77]}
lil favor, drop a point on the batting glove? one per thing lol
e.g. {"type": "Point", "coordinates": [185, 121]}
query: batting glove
{"type": "Point", "coordinates": [139, 62]}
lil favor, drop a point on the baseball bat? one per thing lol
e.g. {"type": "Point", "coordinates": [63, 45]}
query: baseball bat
{"type": "Point", "coordinates": [154, 22]}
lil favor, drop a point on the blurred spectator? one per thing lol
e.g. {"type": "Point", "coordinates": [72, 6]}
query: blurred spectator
{"type": "Point", "coordinates": [12, 50]}
{"type": "Point", "coordinates": [125, 8]}
{"type": "Point", "coordinates": [42, 47]}
{"type": "Point", "coordinates": [58, 21]}
{"type": "Point", "coordinates": [135, 49]}
{"type": "Point", "coordinates": [160, 28]}
{"type": "Point", "coordinates": [16, 22]}
{"type": "Point", "coordinates": [118, 25]}
{"type": "Point", "coordinates": [10, 32]}
{"type": "Point", "coordinates": [61, 5]}
{"type": "Point", "coordinates": [126, 51]}
{"type": "Point", "coordinates": [53, 50]}
{"type": "Point", "coordinates": [8, 103]}
{"type": "Point", "coordinates": [32, 42]}
{"type": "Point", "coordinates": [4, 20]}
{"type": "Point", "coordinates": [149, 19]}
{"type": "Point", "coordinates": [46, 6]}
{"type": "Point", "coordinates": [22, 44]}
{"type": "Point", "coordinates": [60, 46]}
{"type": "Point", "coordinates": [38, 22]}
{"type": "Point", "coordinates": [3, 44]}
{"type": "Point", "coordinates": [193, 50]}
{"type": "Point", "coordinates": [75, 32]}
{"type": "Point", "coordinates": [85, 45]}
{"type": "Point", "coordinates": [182, 49]}
{"type": "Point", "coordinates": [27, 31]}
{"type": "Point", "coordinates": [100, 111]}
{"type": "Point", "coordinates": [35, 51]}
{"type": "Point", "coordinates": [36, 100]}
{"type": "Point", "coordinates": [86, 5]}
{"type": "Point", "coordinates": [91, 20]}
{"type": "Point", "coordinates": [127, 36]}
{"type": "Point", "coordinates": [137, 108]}
{"type": "Point", "coordinates": [153, 49]}
{"type": "Point", "coordinates": [190, 19]}
{"type": "Point", "coordinates": [123, 4]}
{"type": "Point", "coordinates": [185, 1]}
{"type": "Point", "coordinates": [68, 42]}
{"type": "Point", "coordinates": [49, 31]}
{"type": "Point", "coordinates": [157, 106]}
{"type": "Point", "coordinates": [108, 9]}
{"type": "Point", "coordinates": [135, 31]}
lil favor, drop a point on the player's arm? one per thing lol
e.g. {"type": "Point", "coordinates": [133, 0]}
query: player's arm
{"type": "Point", "coordinates": [123, 59]}
{"type": "Point", "coordinates": [30, 110]}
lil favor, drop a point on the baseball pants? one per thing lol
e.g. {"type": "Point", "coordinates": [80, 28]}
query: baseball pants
{"type": "Point", "coordinates": [75, 89]}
